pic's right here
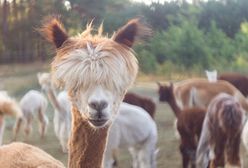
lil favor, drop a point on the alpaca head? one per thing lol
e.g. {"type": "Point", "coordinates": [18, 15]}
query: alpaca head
{"type": "Point", "coordinates": [44, 81]}
{"type": "Point", "coordinates": [165, 91]}
{"type": "Point", "coordinates": [211, 75]}
{"type": "Point", "coordinates": [95, 69]}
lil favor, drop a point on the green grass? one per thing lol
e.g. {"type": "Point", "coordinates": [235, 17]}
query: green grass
{"type": "Point", "coordinates": [18, 79]}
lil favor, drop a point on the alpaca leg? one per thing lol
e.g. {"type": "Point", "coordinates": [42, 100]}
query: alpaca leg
{"type": "Point", "coordinates": [28, 127]}
{"type": "Point", "coordinates": [144, 157]}
{"type": "Point", "coordinates": [219, 152]}
{"type": "Point", "coordinates": [43, 123]}
{"type": "Point", "coordinates": [17, 127]}
{"type": "Point", "coordinates": [232, 156]}
{"type": "Point", "coordinates": [63, 137]}
{"type": "Point", "coordinates": [185, 156]}
{"type": "Point", "coordinates": [135, 157]}
{"type": "Point", "coordinates": [2, 126]}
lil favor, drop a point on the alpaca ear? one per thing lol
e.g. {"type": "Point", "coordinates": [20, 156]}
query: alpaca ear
{"type": "Point", "coordinates": [53, 31]}
{"type": "Point", "coordinates": [132, 32]}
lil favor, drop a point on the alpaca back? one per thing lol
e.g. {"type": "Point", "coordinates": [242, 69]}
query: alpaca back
{"type": "Point", "coordinates": [26, 156]}
{"type": "Point", "coordinates": [32, 102]}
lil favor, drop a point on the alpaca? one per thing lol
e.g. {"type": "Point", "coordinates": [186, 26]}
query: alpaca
{"type": "Point", "coordinates": [188, 123]}
{"type": "Point", "coordinates": [238, 80]}
{"type": "Point", "coordinates": [203, 93]}
{"type": "Point", "coordinates": [134, 129]}
{"type": "Point", "coordinates": [10, 107]}
{"type": "Point", "coordinates": [219, 143]}
{"type": "Point", "coordinates": [211, 75]}
{"type": "Point", "coordinates": [96, 71]}
{"type": "Point", "coordinates": [189, 126]}
{"type": "Point", "coordinates": [62, 110]}
{"type": "Point", "coordinates": [142, 101]}
{"type": "Point", "coordinates": [21, 155]}
{"type": "Point", "coordinates": [32, 102]}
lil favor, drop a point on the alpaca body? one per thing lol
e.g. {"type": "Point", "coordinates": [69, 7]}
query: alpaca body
{"type": "Point", "coordinates": [189, 126]}
{"type": "Point", "coordinates": [32, 103]}
{"type": "Point", "coordinates": [219, 143]}
{"type": "Point", "coordinates": [204, 92]}
{"type": "Point", "coordinates": [238, 80]}
{"type": "Point", "coordinates": [134, 129]}
{"type": "Point", "coordinates": [22, 155]}
{"type": "Point", "coordinates": [141, 101]}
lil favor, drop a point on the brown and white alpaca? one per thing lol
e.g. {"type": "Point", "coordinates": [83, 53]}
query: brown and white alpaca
{"type": "Point", "coordinates": [203, 92]}
{"type": "Point", "coordinates": [188, 124]}
{"type": "Point", "coordinates": [8, 107]}
{"type": "Point", "coordinates": [219, 143]}
{"type": "Point", "coordinates": [96, 71]}
{"type": "Point", "coordinates": [238, 80]}
{"type": "Point", "coordinates": [32, 103]}
{"type": "Point", "coordinates": [62, 110]}
{"type": "Point", "coordinates": [142, 101]}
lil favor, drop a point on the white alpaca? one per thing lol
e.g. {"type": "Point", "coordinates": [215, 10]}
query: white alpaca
{"type": "Point", "coordinates": [32, 103]}
{"type": "Point", "coordinates": [62, 108]}
{"type": "Point", "coordinates": [134, 129]}
{"type": "Point", "coordinates": [8, 106]}
{"type": "Point", "coordinates": [211, 75]}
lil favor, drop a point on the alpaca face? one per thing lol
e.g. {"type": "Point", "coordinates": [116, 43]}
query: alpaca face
{"type": "Point", "coordinates": [44, 80]}
{"type": "Point", "coordinates": [98, 105]}
{"type": "Point", "coordinates": [95, 69]}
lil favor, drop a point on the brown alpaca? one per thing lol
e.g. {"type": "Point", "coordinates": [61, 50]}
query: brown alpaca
{"type": "Point", "coordinates": [96, 71]}
{"type": "Point", "coordinates": [219, 143]}
{"type": "Point", "coordinates": [238, 80]}
{"type": "Point", "coordinates": [189, 125]}
{"type": "Point", "coordinates": [202, 92]}
{"type": "Point", "coordinates": [142, 101]}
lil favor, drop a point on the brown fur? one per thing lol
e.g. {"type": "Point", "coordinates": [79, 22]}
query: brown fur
{"type": "Point", "coordinates": [222, 129]}
{"type": "Point", "coordinates": [87, 144]}
{"type": "Point", "coordinates": [144, 102]}
{"type": "Point", "coordinates": [26, 156]}
{"type": "Point", "coordinates": [205, 92]}
{"type": "Point", "coordinates": [189, 125]}
{"type": "Point", "coordinates": [238, 80]}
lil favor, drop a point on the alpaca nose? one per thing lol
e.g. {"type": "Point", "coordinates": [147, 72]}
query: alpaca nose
{"type": "Point", "coordinates": [98, 105]}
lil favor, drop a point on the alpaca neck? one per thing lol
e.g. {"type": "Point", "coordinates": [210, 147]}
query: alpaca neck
{"type": "Point", "coordinates": [53, 99]}
{"type": "Point", "coordinates": [86, 147]}
{"type": "Point", "coordinates": [172, 102]}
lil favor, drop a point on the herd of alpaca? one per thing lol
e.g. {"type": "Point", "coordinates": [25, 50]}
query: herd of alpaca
{"type": "Point", "coordinates": [94, 116]}
{"type": "Point", "coordinates": [210, 116]}
{"type": "Point", "coordinates": [96, 71]}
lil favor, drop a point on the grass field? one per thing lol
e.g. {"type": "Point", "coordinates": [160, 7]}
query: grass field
{"type": "Point", "coordinates": [18, 79]}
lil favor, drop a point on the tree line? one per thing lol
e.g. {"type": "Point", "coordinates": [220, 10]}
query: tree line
{"type": "Point", "coordinates": [186, 36]}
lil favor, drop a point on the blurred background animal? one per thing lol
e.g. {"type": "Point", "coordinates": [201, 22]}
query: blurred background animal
{"type": "Point", "coordinates": [32, 103]}
{"type": "Point", "coordinates": [62, 109]}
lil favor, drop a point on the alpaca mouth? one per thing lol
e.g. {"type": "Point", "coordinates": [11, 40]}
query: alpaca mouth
{"type": "Point", "coordinates": [98, 122]}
